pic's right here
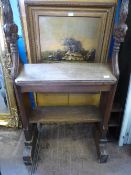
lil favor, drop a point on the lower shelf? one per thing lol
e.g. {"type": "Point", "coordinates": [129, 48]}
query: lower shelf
{"type": "Point", "coordinates": [66, 114]}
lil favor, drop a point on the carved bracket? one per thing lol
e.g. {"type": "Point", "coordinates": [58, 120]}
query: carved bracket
{"type": "Point", "coordinates": [119, 35]}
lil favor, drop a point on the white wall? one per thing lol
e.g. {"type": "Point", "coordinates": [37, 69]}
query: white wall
{"type": "Point", "coordinates": [125, 136]}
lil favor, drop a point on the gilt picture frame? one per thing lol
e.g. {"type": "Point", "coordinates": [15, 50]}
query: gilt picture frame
{"type": "Point", "coordinates": [8, 108]}
{"type": "Point", "coordinates": [4, 105]}
{"type": "Point", "coordinates": [67, 34]}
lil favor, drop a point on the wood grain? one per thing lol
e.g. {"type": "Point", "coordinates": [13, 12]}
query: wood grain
{"type": "Point", "coordinates": [53, 72]}
{"type": "Point", "coordinates": [66, 114]}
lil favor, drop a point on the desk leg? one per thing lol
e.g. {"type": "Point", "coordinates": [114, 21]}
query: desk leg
{"type": "Point", "coordinates": [30, 130]}
{"type": "Point", "coordinates": [31, 136]}
{"type": "Point", "coordinates": [106, 103]}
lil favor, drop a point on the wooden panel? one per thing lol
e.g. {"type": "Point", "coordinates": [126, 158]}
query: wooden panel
{"type": "Point", "coordinates": [66, 87]}
{"type": "Point", "coordinates": [66, 114]}
{"type": "Point", "coordinates": [51, 99]}
{"type": "Point", "coordinates": [84, 99]}
{"type": "Point", "coordinates": [47, 99]}
{"type": "Point", "coordinates": [66, 72]}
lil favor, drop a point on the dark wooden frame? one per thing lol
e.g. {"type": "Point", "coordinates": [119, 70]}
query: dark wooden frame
{"type": "Point", "coordinates": [106, 88]}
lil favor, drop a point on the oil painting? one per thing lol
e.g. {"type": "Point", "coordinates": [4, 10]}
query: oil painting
{"type": "Point", "coordinates": [3, 95]}
{"type": "Point", "coordinates": [69, 38]}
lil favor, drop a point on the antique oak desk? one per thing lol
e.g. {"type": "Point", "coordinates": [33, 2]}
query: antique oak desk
{"type": "Point", "coordinates": [66, 76]}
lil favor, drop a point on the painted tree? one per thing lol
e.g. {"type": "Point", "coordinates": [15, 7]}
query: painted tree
{"type": "Point", "coordinates": [72, 45]}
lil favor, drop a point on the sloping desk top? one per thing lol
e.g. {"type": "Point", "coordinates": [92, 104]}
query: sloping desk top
{"type": "Point", "coordinates": [65, 72]}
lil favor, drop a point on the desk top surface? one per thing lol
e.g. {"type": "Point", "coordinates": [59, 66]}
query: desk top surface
{"type": "Point", "coordinates": [65, 72]}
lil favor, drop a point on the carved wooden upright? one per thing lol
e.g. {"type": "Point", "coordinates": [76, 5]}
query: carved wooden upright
{"type": "Point", "coordinates": [11, 34]}
{"type": "Point", "coordinates": [57, 77]}
{"type": "Point", "coordinates": [119, 35]}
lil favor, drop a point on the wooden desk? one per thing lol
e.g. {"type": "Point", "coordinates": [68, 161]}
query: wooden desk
{"type": "Point", "coordinates": [65, 77]}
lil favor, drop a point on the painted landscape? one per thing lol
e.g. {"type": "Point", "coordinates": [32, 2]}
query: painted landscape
{"type": "Point", "coordinates": [73, 51]}
{"type": "Point", "coordinates": [68, 39]}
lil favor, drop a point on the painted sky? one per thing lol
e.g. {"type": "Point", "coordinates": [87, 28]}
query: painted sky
{"type": "Point", "coordinates": [53, 31]}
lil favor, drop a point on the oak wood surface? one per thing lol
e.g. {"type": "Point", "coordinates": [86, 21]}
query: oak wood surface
{"type": "Point", "coordinates": [65, 114]}
{"type": "Point", "coordinates": [65, 72]}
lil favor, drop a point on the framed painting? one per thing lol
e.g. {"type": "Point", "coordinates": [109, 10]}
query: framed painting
{"type": "Point", "coordinates": [68, 33]}
{"type": "Point", "coordinates": [8, 108]}
{"type": "Point", "coordinates": [67, 39]}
